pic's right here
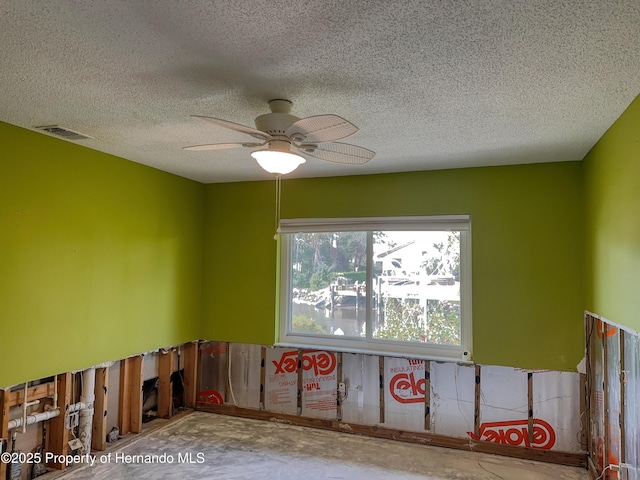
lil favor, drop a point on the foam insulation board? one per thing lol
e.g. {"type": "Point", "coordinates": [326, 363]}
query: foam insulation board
{"type": "Point", "coordinates": [503, 406]}
{"type": "Point", "coordinates": [404, 391]}
{"type": "Point", "coordinates": [281, 379]}
{"type": "Point", "coordinates": [503, 394]}
{"type": "Point", "coordinates": [150, 363]}
{"type": "Point", "coordinates": [319, 384]}
{"type": "Point", "coordinates": [245, 374]}
{"type": "Point", "coordinates": [556, 411]}
{"type": "Point", "coordinates": [213, 372]}
{"type": "Point", "coordinates": [360, 374]}
{"type": "Point", "coordinates": [452, 399]}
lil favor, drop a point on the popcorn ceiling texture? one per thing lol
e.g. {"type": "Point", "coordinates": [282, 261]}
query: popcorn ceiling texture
{"type": "Point", "coordinates": [430, 84]}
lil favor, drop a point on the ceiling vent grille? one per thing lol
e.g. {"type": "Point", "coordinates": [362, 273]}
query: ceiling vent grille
{"type": "Point", "coordinates": [62, 132]}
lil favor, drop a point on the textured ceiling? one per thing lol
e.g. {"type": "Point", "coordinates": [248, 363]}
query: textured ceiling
{"type": "Point", "coordinates": [431, 85]}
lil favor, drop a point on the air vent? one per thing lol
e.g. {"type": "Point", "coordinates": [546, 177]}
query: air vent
{"type": "Point", "coordinates": [62, 132]}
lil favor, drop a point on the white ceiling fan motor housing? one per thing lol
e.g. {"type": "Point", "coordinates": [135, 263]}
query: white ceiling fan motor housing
{"type": "Point", "coordinates": [278, 121]}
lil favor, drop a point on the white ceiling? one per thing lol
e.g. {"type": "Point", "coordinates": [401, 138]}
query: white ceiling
{"type": "Point", "coordinates": [431, 84]}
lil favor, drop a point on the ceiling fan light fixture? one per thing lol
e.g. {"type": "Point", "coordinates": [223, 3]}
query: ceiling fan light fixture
{"type": "Point", "coordinates": [277, 161]}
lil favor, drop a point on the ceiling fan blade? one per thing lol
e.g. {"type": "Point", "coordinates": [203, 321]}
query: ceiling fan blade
{"type": "Point", "coordinates": [220, 146]}
{"type": "Point", "coordinates": [235, 126]}
{"type": "Point", "coordinates": [343, 153]}
{"type": "Point", "coordinates": [321, 128]}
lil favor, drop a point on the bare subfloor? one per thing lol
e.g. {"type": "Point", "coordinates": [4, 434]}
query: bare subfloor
{"type": "Point", "coordinates": [236, 448]}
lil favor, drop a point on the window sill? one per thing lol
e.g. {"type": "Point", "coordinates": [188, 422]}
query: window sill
{"type": "Point", "coordinates": [380, 353]}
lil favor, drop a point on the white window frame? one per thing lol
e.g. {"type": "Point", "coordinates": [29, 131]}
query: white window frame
{"type": "Point", "coordinates": [370, 345]}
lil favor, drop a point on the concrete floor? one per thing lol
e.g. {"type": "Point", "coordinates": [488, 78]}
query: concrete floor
{"type": "Point", "coordinates": [236, 448]}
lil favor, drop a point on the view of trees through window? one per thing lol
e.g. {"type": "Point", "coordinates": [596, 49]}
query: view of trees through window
{"type": "Point", "coordinates": [415, 292]}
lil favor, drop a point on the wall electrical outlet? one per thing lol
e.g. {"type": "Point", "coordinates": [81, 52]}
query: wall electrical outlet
{"type": "Point", "coordinates": [75, 444]}
{"type": "Point", "coordinates": [342, 388]}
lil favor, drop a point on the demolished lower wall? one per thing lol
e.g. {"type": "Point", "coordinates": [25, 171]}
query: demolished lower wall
{"type": "Point", "coordinates": [613, 392]}
{"type": "Point", "coordinates": [477, 404]}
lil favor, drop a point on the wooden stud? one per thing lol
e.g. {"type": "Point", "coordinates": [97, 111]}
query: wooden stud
{"type": "Point", "coordinates": [338, 382]}
{"type": "Point", "coordinates": [38, 392]}
{"type": "Point", "coordinates": [191, 367]}
{"type": "Point", "coordinates": [165, 386]}
{"type": "Point", "coordinates": [427, 395]}
{"type": "Point", "coordinates": [227, 372]}
{"type": "Point", "coordinates": [605, 364]}
{"type": "Point", "coordinates": [58, 433]}
{"type": "Point", "coordinates": [476, 403]}
{"type": "Point", "coordinates": [124, 402]}
{"type": "Point", "coordinates": [381, 376]}
{"type": "Point", "coordinates": [584, 426]}
{"type": "Point", "coordinates": [300, 360]}
{"type": "Point", "coordinates": [423, 438]}
{"type": "Point", "coordinates": [99, 434]}
{"type": "Point", "coordinates": [5, 398]}
{"type": "Point", "coordinates": [593, 469]}
{"type": "Point", "coordinates": [530, 407]}
{"type": "Point", "coordinates": [591, 387]}
{"type": "Point", "coordinates": [623, 381]}
{"type": "Point", "coordinates": [263, 370]}
{"type": "Point", "coordinates": [135, 386]}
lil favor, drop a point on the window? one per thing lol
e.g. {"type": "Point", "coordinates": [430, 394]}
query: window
{"type": "Point", "coordinates": [399, 285]}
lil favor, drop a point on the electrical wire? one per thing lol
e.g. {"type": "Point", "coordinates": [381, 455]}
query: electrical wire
{"type": "Point", "coordinates": [278, 188]}
{"type": "Point", "coordinates": [608, 467]}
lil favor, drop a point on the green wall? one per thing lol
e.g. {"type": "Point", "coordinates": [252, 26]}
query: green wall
{"type": "Point", "coordinates": [527, 231]}
{"type": "Point", "coordinates": [612, 187]}
{"type": "Point", "coordinates": [100, 258]}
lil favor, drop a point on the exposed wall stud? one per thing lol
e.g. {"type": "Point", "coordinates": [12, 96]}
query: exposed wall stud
{"type": "Point", "coordinates": [623, 381]}
{"type": "Point", "coordinates": [605, 388]}
{"type": "Point", "coordinates": [263, 370]}
{"type": "Point", "coordinates": [381, 376]}
{"type": "Point", "coordinates": [135, 386]}
{"type": "Point", "coordinates": [530, 407]}
{"type": "Point", "coordinates": [124, 402]}
{"type": "Point", "coordinates": [590, 325]}
{"type": "Point", "coordinates": [300, 360]}
{"type": "Point", "coordinates": [339, 382]}
{"type": "Point", "coordinates": [584, 425]}
{"type": "Point", "coordinates": [165, 386]}
{"type": "Point", "coordinates": [99, 434]}
{"type": "Point", "coordinates": [476, 403]}
{"type": "Point", "coordinates": [427, 395]}
{"type": "Point", "coordinates": [191, 368]}
{"type": "Point", "coordinates": [58, 434]}
{"type": "Point", "coordinates": [227, 375]}
{"type": "Point", "coordinates": [5, 397]}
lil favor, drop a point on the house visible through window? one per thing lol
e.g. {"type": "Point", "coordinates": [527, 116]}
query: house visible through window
{"type": "Point", "coordinates": [391, 285]}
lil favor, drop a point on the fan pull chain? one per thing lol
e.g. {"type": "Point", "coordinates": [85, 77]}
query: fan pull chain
{"type": "Point", "coordinates": [275, 236]}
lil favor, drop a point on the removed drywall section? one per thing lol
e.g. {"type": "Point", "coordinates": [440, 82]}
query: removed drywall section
{"type": "Point", "coordinates": [400, 397]}
{"type": "Point", "coordinates": [613, 379]}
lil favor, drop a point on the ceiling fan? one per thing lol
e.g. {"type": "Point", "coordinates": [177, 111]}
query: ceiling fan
{"type": "Point", "coordinates": [285, 137]}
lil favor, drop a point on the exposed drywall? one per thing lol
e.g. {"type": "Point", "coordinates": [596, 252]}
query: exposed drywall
{"type": "Point", "coordinates": [612, 190]}
{"type": "Point", "coordinates": [100, 258]}
{"type": "Point", "coordinates": [527, 224]}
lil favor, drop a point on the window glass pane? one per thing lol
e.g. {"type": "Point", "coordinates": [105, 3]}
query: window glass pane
{"type": "Point", "coordinates": [328, 274]}
{"type": "Point", "coordinates": [416, 283]}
